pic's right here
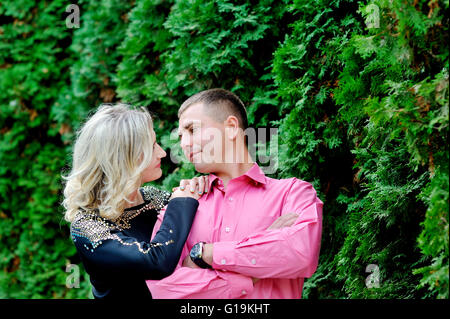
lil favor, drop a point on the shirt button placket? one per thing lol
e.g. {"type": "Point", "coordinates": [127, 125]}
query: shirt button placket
{"type": "Point", "coordinates": [228, 229]}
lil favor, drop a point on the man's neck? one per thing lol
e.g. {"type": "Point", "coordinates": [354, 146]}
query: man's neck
{"type": "Point", "coordinates": [233, 170]}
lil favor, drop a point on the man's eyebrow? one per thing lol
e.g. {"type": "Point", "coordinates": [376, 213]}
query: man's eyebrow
{"type": "Point", "coordinates": [185, 126]}
{"type": "Point", "coordinates": [188, 124]}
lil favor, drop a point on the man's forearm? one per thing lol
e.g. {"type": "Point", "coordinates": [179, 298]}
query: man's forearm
{"type": "Point", "coordinates": [281, 253]}
{"type": "Point", "coordinates": [197, 283]}
{"type": "Point", "coordinates": [207, 257]}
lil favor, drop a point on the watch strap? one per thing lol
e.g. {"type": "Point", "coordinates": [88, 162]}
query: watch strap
{"type": "Point", "coordinates": [198, 260]}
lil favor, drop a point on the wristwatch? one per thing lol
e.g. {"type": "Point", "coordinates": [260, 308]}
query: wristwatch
{"type": "Point", "coordinates": [196, 255]}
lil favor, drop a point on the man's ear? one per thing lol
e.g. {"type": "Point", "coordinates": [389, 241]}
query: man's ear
{"type": "Point", "coordinates": [231, 127]}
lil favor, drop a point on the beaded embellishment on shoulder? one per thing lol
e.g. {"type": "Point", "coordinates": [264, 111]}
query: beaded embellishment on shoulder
{"type": "Point", "coordinates": [91, 226]}
{"type": "Point", "coordinates": [157, 197]}
{"type": "Point", "coordinates": [97, 229]}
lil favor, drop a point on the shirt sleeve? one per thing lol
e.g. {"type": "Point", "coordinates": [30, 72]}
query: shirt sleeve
{"type": "Point", "coordinates": [196, 283]}
{"type": "Point", "coordinates": [118, 254]}
{"type": "Point", "coordinates": [290, 252]}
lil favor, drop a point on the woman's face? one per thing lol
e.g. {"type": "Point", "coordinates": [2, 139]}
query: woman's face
{"type": "Point", "coordinates": [153, 171]}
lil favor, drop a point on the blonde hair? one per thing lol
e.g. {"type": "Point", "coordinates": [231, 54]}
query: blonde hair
{"type": "Point", "coordinates": [111, 151]}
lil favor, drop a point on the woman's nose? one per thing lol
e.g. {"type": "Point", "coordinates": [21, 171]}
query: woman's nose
{"type": "Point", "coordinates": [161, 152]}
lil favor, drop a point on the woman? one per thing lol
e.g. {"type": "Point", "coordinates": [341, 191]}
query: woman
{"type": "Point", "coordinates": [111, 216]}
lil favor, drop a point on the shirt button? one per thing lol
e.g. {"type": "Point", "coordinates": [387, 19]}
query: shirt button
{"type": "Point", "coordinates": [244, 292]}
{"type": "Point", "coordinates": [223, 261]}
{"type": "Point", "coordinates": [253, 261]}
{"type": "Point", "coordinates": [227, 229]}
{"type": "Point", "coordinates": [230, 199]}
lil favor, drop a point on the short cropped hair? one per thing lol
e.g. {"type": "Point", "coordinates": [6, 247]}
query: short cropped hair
{"type": "Point", "coordinates": [112, 150]}
{"type": "Point", "coordinates": [219, 104]}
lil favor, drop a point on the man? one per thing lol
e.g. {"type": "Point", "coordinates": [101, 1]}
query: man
{"type": "Point", "coordinates": [239, 246]}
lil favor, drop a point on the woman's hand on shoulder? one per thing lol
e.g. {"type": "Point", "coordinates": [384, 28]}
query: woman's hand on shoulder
{"type": "Point", "coordinates": [193, 188]}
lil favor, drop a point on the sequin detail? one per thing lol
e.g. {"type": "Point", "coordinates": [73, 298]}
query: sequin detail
{"type": "Point", "coordinates": [96, 229]}
{"type": "Point", "coordinates": [156, 199]}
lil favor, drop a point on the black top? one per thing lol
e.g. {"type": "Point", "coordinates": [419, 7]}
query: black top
{"type": "Point", "coordinates": [119, 256]}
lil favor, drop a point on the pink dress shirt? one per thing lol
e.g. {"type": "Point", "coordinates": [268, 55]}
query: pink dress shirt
{"type": "Point", "coordinates": [235, 219]}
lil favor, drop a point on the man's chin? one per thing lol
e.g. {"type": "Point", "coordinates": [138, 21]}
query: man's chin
{"type": "Point", "coordinates": [203, 168]}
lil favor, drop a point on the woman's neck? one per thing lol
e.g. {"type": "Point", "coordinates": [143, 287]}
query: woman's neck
{"type": "Point", "coordinates": [135, 198]}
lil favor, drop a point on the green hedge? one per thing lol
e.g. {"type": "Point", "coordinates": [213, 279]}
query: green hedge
{"type": "Point", "coordinates": [357, 90]}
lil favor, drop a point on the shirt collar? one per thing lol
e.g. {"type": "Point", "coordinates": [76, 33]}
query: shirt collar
{"type": "Point", "coordinates": [255, 173]}
{"type": "Point", "coordinates": [211, 180]}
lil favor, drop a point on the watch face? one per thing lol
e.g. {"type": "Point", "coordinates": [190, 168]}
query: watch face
{"type": "Point", "coordinates": [195, 251]}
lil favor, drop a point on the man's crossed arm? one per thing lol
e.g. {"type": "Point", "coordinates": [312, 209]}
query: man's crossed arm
{"type": "Point", "coordinates": [285, 220]}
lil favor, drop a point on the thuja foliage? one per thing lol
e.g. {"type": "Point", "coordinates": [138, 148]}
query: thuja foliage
{"type": "Point", "coordinates": [357, 90]}
{"type": "Point", "coordinates": [314, 142]}
{"type": "Point", "coordinates": [394, 84]}
{"type": "Point", "coordinates": [33, 72]}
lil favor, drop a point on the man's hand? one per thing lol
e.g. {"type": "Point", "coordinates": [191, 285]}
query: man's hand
{"type": "Point", "coordinates": [187, 262]}
{"type": "Point", "coordinates": [285, 220]}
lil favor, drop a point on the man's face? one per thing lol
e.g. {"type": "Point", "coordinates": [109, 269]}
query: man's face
{"type": "Point", "coordinates": [202, 139]}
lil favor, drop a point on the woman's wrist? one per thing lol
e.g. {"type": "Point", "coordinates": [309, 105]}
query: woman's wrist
{"type": "Point", "coordinates": [184, 193]}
